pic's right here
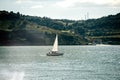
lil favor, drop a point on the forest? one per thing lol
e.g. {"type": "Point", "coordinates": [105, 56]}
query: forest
{"type": "Point", "coordinates": [19, 29]}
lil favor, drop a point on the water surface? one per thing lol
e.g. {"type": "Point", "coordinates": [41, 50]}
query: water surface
{"type": "Point", "coordinates": [77, 63]}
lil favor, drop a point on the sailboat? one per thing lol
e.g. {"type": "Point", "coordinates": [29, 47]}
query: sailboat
{"type": "Point", "coordinates": [54, 51]}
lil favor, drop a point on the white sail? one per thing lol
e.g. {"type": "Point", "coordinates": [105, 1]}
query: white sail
{"type": "Point", "coordinates": [55, 46]}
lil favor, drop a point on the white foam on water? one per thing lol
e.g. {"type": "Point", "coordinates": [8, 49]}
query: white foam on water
{"type": "Point", "coordinates": [18, 76]}
{"type": "Point", "coordinates": [6, 74]}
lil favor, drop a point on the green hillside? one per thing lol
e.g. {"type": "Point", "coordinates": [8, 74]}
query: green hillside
{"type": "Point", "coordinates": [18, 29]}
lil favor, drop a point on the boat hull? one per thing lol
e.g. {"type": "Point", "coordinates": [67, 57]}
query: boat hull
{"type": "Point", "coordinates": [54, 54]}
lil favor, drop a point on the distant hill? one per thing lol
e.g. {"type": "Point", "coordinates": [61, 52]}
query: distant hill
{"type": "Point", "coordinates": [18, 29]}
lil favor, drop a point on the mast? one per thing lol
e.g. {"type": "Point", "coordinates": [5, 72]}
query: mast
{"type": "Point", "coordinates": [55, 46]}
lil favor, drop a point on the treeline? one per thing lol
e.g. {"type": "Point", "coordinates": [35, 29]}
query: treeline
{"type": "Point", "coordinates": [18, 29]}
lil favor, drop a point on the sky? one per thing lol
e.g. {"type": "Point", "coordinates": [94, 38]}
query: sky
{"type": "Point", "coordinates": [63, 9]}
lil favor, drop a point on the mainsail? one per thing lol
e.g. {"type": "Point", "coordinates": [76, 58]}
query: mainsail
{"type": "Point", "coordinates": [55, 46]}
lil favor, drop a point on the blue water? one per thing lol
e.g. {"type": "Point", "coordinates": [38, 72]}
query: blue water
{"type": "Point", "coordinates": [77, 63]}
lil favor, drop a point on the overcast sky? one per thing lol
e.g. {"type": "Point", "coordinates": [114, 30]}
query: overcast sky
{"type": "Point", "coordinates": [63, 9]}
